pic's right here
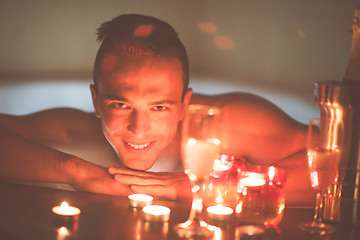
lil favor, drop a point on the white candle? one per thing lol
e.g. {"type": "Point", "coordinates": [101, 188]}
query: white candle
{"type": "Point", "coordinates": [219, 212]}
{"type": "Point", "coordinates": [156, 213]}
{"type": "Point", "coordinates": [200, 156]}
{"type": "Point", "coordinates": [65, 210]}
{"type": "Point", "coordinates": [254, 180]}
{"type": "Point", "coordinates": [140, 200]}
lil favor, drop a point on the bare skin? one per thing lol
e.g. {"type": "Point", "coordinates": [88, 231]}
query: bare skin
{"type": "Point", "coordinates": [136, 120]}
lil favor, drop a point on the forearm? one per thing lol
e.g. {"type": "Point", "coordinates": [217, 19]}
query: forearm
{"type": "Point", "coordinates": [23, 160]}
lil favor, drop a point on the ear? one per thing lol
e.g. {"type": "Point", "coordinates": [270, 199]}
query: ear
{"type": "Point", "coordinates": [94, 97]}
{"type": "Point", "coordinates": [186, 101]}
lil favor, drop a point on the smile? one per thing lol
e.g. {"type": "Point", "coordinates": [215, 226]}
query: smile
{"type": "Point", "coordinates": [141, 146]}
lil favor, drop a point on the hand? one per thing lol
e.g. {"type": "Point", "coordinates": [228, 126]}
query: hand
{"type": "Point", "coordinates": [170, 185]}
{"type": "Point", "coordinates": [85, 176]}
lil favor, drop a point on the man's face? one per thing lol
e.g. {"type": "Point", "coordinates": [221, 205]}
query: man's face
{"type": "Point", "coordinates": [139, 101]}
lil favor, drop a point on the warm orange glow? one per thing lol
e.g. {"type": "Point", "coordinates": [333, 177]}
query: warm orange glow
{"type": "Point", "coordinates": [207, 27]}
{"type": "Point", "coordinates": [143, 30]}
{"type": "Point", "coordinates": [224, 42]}
{"type": "Point", "coordinates": [108, 63]}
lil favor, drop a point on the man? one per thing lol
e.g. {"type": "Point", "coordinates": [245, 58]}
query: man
{"type": "Point", "coordinates": [140, 94]}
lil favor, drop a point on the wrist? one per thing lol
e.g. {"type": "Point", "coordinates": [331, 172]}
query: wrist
{"type": "Point", "coordinates": [75, 170]}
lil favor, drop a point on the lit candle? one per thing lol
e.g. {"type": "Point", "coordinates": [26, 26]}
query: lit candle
{"type": "Point", "coordinates": [156, 213]}
{"type": "Point", "coordinates": [219, 212]}
{"type": "Point", "coordinates": [261, 195]}
{"type": "Point", "coordinates": [220, 166]}
{"type": "Point", "coordinates": [65, 210]}
{"type": "Point", "coordinates": [140, 200]}
{"type": "Point", "coordinates": [254, 180]}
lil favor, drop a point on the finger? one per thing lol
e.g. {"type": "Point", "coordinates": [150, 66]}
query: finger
{"type": "Point", "coordinates": [160, 175]}
{"type": "Point", "coordinates": [155, 190]}
{"type": "Point", "coordinates": [138, 180]}
{"type": "Point", "coordinates": [115, 170]}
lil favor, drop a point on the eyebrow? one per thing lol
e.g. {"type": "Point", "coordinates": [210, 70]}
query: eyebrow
{"type": "Point", "coordinates": [116, 98]}
{"type": "Point", "coordinates": [159, 102]}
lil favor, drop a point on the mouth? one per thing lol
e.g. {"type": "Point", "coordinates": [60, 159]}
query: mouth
{"type": "Point", "coordinates": [139, 148]}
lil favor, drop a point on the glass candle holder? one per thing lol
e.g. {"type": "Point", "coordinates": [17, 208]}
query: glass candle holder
{"type": "Point", "coordinates": [220, 190]}
{"type": "Point", "coordinates": [261, 195]}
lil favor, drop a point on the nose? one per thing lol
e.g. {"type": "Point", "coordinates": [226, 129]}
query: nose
{"type": "Point", "coordinates": [139, 122]}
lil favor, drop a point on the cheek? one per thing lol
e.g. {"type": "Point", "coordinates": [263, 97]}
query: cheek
{"type": "Point", "coordinates": [166, 126]}
{"type": "Point", "coordinates": [111, 123]}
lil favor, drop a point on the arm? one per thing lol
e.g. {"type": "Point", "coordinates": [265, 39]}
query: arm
{"type": "Point", "coordinates": [26, 155]}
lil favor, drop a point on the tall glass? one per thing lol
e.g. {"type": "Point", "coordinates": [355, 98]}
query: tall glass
{"type": "Point", "coordinates": [323, 153]}
{"type": "Point", "coordinates": [200, 147]}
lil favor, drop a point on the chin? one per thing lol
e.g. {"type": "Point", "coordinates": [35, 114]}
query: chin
{"type": "Point", "coordinates": [138, 165]}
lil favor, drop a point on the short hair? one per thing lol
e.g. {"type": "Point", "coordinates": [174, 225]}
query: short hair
{"type": "Point", "coordinates": [134, 34]}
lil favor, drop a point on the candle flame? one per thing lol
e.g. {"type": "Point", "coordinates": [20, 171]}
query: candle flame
{"type": "Point", "coordinates": [63, 231]}
{"type": "Point", "coordinates": [271, 173]}
{"type": "Point", "coordinates": [64, 205]}
{"type": "Point", "coordinates": [219, 198]}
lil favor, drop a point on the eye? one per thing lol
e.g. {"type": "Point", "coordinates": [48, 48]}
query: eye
{"type": "Point", "coordinates": [119, 105]}
{"type": "Point", "coordinates": [160, 108]}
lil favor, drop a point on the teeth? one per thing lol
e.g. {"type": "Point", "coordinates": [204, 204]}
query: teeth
{"type": "Point", "coordinates": [142, 146]}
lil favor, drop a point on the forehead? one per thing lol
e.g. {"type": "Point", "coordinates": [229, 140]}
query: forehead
{"type": "Point", "coordinates": [141, 75]}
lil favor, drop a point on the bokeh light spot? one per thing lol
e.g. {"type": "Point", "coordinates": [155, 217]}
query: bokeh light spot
{"type": "Point", "coordinates": [143, 30]}
{"type": "Point", "coordinates": [224, 42]}
{"type": "Point", "coordinates": [207, 27]}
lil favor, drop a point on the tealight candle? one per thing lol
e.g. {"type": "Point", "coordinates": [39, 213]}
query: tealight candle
{"type": "Point", "coordinates": [140, 200]}
{"type": "Point", "coordinates": [261, 195]}
{"type": "Point", "coordinates": [252, 181]}
{"type": "Point", "coordinates": [66, 216]}
{"type": "Point", "coordinates": [156, 213]}
{"type": "Point", "coordinates": [220, 166]}
{"type": "Point", "coordinates": [65, 210]}
{"type": "Point", "coordinates": [219, 212]}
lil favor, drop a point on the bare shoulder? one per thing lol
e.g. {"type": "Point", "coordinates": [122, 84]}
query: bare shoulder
{"type": "Point", "coordinates": [252, 123]}
{"type": "Point", "coordinates": [239, 99]}
{"type": "Point", "coordinates": [246, 106]}
{"type": "Point", "coordinates": [52, 123]}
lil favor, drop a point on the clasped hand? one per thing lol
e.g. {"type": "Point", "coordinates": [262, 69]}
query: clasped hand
{"type": "Point", "coordinates": [169, 185]}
